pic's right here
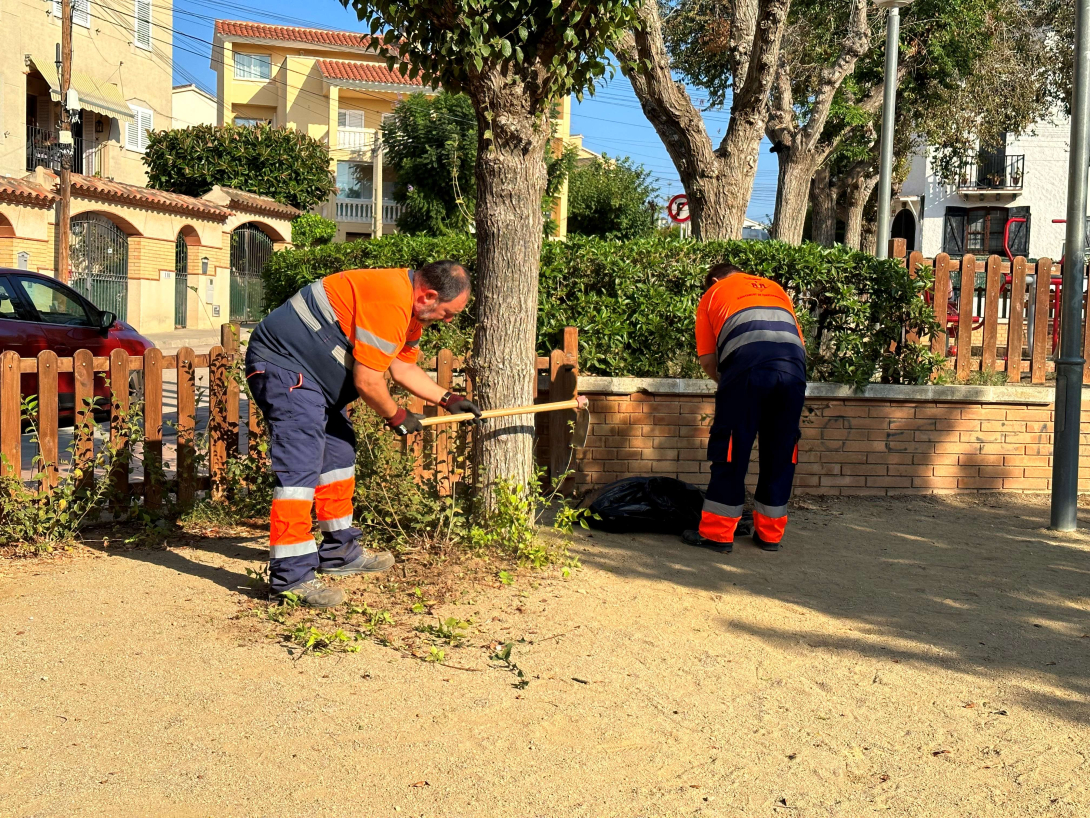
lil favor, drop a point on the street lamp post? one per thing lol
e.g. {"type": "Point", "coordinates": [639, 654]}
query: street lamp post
{"type": "Point", "coordinates": [1070, 363]}
{"type": "Point", "coordinates": [889, 103]}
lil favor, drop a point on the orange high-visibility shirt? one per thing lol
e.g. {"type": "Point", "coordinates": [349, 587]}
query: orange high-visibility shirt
{"type": "Point", "coordinates": [375, 311]}
{"type": "Point", "coordinates": [746, 320]}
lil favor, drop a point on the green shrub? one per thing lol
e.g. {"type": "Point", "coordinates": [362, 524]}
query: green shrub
{"type": "Point", "coordinates": [284, 164]}
{"type": "Point", "coordinates": [611, 198]}
{"type": "Point", "coordinates": [634, 302]}
{"type": "Point", "coordinates": [312, 230]}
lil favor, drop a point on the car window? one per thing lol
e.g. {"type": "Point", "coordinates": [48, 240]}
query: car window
{"type": "Point", "coordinates": [9, 307]}
{"type": "Point", "coordinates": [54, 303]}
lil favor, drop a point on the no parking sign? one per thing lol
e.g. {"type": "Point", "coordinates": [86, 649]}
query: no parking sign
{"type": "Point", "coordinates": [678, 208]}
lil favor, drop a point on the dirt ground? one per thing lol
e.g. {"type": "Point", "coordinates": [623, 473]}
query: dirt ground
{"type": "Point", "coordinates": [914, 657]}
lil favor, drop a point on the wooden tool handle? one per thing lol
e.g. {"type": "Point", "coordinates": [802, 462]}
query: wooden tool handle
{"type": "Point", "coordinates": [502, 413]}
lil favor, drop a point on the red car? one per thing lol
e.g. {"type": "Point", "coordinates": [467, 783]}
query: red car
{"type": "Point", "coordinates": [38, 313]}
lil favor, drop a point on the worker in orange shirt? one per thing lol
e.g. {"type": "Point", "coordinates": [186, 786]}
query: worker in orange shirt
{"type": "Point", "coordinates": [748, 339]}
{"type": "Point", "coordinates": [331, 342]}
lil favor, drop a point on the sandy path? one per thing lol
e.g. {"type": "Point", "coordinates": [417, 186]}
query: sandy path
{"type": "Point", "coordinates": [907, 657]}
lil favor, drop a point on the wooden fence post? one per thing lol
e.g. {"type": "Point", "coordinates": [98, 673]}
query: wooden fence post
{"type": "Point", "coordinates": [1015, 321]}
{"type": "Point", "coordinates": [153, 429]}
{"type": "Point", "coordinates": [562, 387]}
{"type": "Point", "coordinates": [991, 314]}
{"type": "Point", "coordinates": [1040, 321]}
{"type": "Point", "coordinates": [217, 421]}
{"type": "Point", "coordinates": [11, 420]}
{"type": "Point", "coordinates": [119, 405]}
{"type": "Point", "coordinates": [941, 302]}
{"type": "Point", "coordinates": [230, 335]}
{"type": "Point", "coordinates": [187, 418]}
{"type": "Point", "coordinates": [444, 457]}
{"type": "Point", "coordinates": [898, 249]}
{"type": "Point", "coordinates": [48, 417]}
{"type": "Point", "coordinates": [83, 375]}
{"type": "Point", "coordinates": [965, 316]}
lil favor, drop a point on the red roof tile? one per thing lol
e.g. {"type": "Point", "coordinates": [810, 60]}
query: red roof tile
{"type": "Point", "coordinates": [364, 72]}
{"type": "Point", "coordinates": [93, 187]}
{"type": "Point", "coordinates": [24, 191]}
{"type": "Point", "coordinates": [242, 200]}
{"type": "Point", "coordinates": [314, 36]}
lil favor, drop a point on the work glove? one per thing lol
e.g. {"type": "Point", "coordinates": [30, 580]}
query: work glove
{"type": "Point", "coordinates": [459, 404]}
{"type": "Point", "coordinates": [404, 423]}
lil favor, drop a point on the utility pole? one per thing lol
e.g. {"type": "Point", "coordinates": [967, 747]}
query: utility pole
{"type": "Point", "coordinates": [889, 102]}
{"type": "Point", "coordinates": [1069, 365]}
{"type": "Point", "coordinates": [64, 137]}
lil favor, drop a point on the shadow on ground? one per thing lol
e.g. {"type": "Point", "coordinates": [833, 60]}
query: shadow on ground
{"type": "Point", "coordinates": [215, 559]}
{"type": "Point", "coordinates": [977, 586]}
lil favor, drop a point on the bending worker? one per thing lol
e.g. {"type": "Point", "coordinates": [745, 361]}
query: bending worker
{"type": "Point", "coordinates": [747, 338]}
{"type": "Point", "coordinates": [331, 342]}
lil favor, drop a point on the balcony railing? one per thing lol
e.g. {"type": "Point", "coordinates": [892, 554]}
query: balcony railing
{"type": "Point", "coordinates": [359, 210]}
{"type": "Point", "coordinates": [43, 148]}
{"type": "Point", "coordinates": [356, 140]}
{"type": "Point", "coordinates": [994, 172]}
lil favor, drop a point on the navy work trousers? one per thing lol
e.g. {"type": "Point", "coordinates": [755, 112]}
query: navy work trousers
{"type": "Point", "coordinates": [765, 403]}
{"type": "Point", "coordinates": [313, 453]}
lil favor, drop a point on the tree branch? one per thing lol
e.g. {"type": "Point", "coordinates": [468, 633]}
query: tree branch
{"type": "Point", "coordinates": [854, 46]}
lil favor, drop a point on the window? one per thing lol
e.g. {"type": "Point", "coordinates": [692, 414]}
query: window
{"type": "Point", "coordinates": [81, 12]}
{"type": "Point", "coordinates": [142, 24]}
{"type": "Point", "coordinates": [350, 119]}
{"type": "Point", "coordinates": [136, 132]}
{"type": "Point", "coordinates": [980, 231]}
{"type": "Point", "coordinates": [55, 305]}
{"type": "Point", "coordinates": [354, 181]}
{"type": "Point", "coordinates": [253, 66]}
{"type": "Point", "coordinates": [9, 306]}
{"type": "Point", "coordinates": [249, 121]}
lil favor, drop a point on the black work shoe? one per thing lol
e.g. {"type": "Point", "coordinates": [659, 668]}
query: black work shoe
{"type": "Point", "coordinates": [764, 544]}
{"type": "Point", "coordinates": [694, 537]}
{"type": "Point", "coordinates": [745, 525]}
{"type": "Point", "coordinates": [311, 593]}
{"type": "Point", "coordinates": [369, 562]}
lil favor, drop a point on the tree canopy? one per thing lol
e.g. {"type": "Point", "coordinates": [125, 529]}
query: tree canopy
{"type": "Point", "coordinates": [285, 165]}
{"type": "Point", "coordinates": [612, 198]}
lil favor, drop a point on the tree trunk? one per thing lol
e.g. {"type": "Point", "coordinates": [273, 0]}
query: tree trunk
{"type": "Point", "coordinates": [511, 181]}
{"type": "Point", "coordinates": [792, 194]}
{"type": "Point", "coordinates": [719, 181]}
{"type": "Point", "coordinates": [856, 195]}
{"type": "Point", "coordinates": [823, 208]}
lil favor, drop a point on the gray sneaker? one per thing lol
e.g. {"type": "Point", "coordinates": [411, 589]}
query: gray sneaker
{"type": "Point", "coordinates": [313, 594]}
{"type": "Point", "coordinates": [369, 562]}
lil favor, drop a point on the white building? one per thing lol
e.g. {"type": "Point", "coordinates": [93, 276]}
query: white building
{"type": "Point", "coordinates": [192, 106]}
{"type": "Point", "coordinates": [1024, 178]}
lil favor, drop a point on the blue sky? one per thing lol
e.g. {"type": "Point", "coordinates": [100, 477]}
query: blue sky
{"type": "Point", "coordinates": [611, 122]}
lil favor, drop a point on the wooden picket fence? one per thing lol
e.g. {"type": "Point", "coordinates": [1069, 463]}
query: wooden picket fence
{"type": "Point", "coordinates": [556, 379]}
{"type": "Point", "coordinates": [222, 400]}
{"type": "Point", "coordinates": [1032, 290]}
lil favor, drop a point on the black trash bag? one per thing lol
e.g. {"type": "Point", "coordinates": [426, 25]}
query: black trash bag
{"type": "Point", "coordinates": [647, 505]}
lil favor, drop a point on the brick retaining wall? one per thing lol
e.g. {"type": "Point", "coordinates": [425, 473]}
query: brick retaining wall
{"type": "Point", "coordinates": [888, 440]}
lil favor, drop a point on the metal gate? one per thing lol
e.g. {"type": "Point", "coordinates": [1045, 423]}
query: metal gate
{"type": "Point", "coordinates": [250, 250]}
{"type": "Point", "coordinates": [181, 281]}
{"type": "Point", "coordinates": [99, 256]}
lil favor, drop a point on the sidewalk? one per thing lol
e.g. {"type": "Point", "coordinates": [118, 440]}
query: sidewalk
{"type": "Point", "coordinates": [199, 340]}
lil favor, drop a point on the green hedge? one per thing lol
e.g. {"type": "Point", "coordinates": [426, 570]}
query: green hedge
{"type": "Point", "coordinates": [634, 302]}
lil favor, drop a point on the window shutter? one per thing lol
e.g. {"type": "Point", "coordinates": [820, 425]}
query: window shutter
{"type": "Point", "coordinates": [145, 121]}
{"type": "Point", "coordinates": [81, 12]}
{"type": "Point", "coordinates": [56, 8]}
{"type": "Point", "coordinates": [1018, 237]}
{"type": "Point", "coordinates": [132, 134]}
{"type": "Point", "coordinates": [953, 233]}
{"type": "Point", "coordinates": [142, 26]}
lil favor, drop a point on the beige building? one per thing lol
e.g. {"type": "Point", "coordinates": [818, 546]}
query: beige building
{"type": "Point", "coordinates": [191, 106]}
{"type": "Point", "coordinates": [121, 73]}
{"type": "Point", "coordinates": [334, 86]}
{"type": "Point", "coordinates": [157, 260]}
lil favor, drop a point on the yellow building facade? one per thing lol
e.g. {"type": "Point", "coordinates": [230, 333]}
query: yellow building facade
{"type": "Point", "coordinates": [335, 87]}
